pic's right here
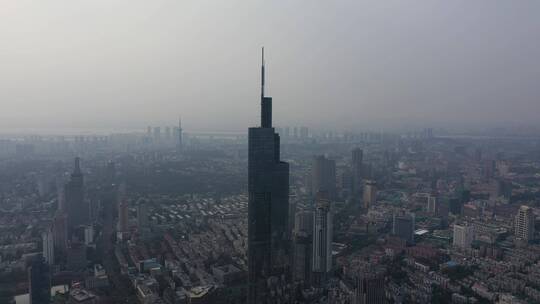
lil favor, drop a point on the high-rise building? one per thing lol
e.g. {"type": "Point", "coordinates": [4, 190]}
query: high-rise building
{"type": "Point", "coordinates": [370, 193]}
{"type": "Point", "coordinates": [60, 233]}
{"type": "Point", "coordinates": [77, 209]}
{"type": "Point", "coordinates": [403, 227]}
{"type": "Point", "coordinates": [357, 164]}
{"type": "Point", "coordinates": [302, 256]}
{"type": "Point", "coordinates": [323, 176]}
{"type": "Point", "coordinates": [48, 246]}
{"type": "Point", "coordinates": [122, 210]}
{"type": "Point", "coordinates": [432, 204]}
{"type": "Point", "coordinates": [524, 224]}
{"type": "Point", "coordinates": [142, 213]}
{"type": "Point", "coordinates": [369, 288]}
{"type": "Point", "coordinates": [39, 279]}
{"type": "Point", "coordinates": [322, 239]}
{"type": "Point", "coordinates": [463, 235]}
{"type": "Point", "coordinates": [268, 208]}
{"type": "Point", "coordinates": [179, 142]}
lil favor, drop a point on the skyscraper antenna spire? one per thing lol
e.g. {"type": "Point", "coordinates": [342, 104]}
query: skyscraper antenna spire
{"type": "Point", "coordinates": [262, 73]}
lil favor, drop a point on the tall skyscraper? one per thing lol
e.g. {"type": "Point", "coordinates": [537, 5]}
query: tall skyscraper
{"type": "Point", "coordinates": [303, 247]}
{"type": "Point", "coordinates": [323, 176]}
{"type": "Point", "coordinates": [370, 193]}
{"type": "Point", "coordinates": [403, 227]}
{"type": "Point", "coordinates": [369, 287]}
{"type": "Point", "coordinates": [179, 142]}
{"type": "Point", "coordinates": [77, 209]}
{"type": "Point", "coordinates": [524, 224]}
{"type": "Point", "coordinates": [268, 207]}
{"type": "Point", "coordinates": [48, 246]}
{"type": "Point", "coordinates": [60, 226]}
{"type": "Point", "coordinates": [322, 239]}
{"type": "Point", "coordinates": [463, 235]}
{"type": "Point", "coordinates": [122, 210]}
{"type": "Point", "coordinates": [142, 213]}
{"type": "Point", "coordinates": [357, 164]}
{"type": "Point", "coordinates": [39, 280]}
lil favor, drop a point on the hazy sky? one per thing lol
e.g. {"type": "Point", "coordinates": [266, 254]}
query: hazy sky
{"type": "Point", "coordinates": [342, 64]}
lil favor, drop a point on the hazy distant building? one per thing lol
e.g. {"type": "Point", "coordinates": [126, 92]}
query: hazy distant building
{"type": "Point", "coordinates": [322, 238]}
{"type": "Point", "coordinates": [370, 193]}
{"type": "Point", "coordinates": [304, 132]}
{"type": "Point", "coordinates": [48, 246]}
{"type": "Point", "coordinates": [60, 232]}
{"type": "Point", "coordinates": [432, 204]}
{"type": "Point", "coordinates": [369, 288]}
{"type": "Point", "coordinates": [142, 213]}
{"type": "Point", "coordinates": [403, 227]}
{"type": "Point", "coordinates": [122, 211]}
{"type": "Point", "coordinates": [463, 235]}
{"type": "Point", "coordinates": [88, 234]}
{"type": "Point", "coordinates": [157, 134]}
{"type": "Point", "coordinates": [77, 209]}
{"type": "Point", "coordinates": [302, 255]}
{"type": "Point", "coordinates": [524, 224]}
{"type": "Point", "coordinates": [39, 282]}
{"type": "Point", "coordinates": [357, 165]}
{"type": "Point", "coordinates": [76, 256]}
{"type": "Point", "coordinates": [268, 209]}
{"type": "Point", "coordinates": [323, 176]}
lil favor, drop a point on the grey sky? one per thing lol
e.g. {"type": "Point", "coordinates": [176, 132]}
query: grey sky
{"type": "Point", "coordinates": [342, 64]}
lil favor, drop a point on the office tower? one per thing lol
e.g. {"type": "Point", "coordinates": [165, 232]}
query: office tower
{"type": "Point", "coordinates": [357, 159]}
{"type": "Point", "coordinates": [369, 287]}
{"type": "Point", "coordinates": [323, 176]}
{"type": "Point", "coordinates": [168, 132]}
{"type": "Point", "coordinates": [149, 131]}
{"type": "Point", "coordinates": [456, 205]}
{"type": "Point", "coordinates": [304, 132]}
{"type": "Point", "coordinates": [60, 233]}
{"type": "Point", "coordinates": [303, 221]}
{"type": "Point", "coordinates": [142, 213]}
{"type": "Point", "coordinates": [403, 227]}
{"type": "Point", "coordinates": [48, 246]}
{"type": "Point", "coordinates": [39, 282]}
{"type": "Point", "coordinates": [322, 239]}
{"type": "Point", "coordinates": [122, 210]}
{"type": "Point", "coordinates": [370, 193]}
{"type": "Point", "coordinates": [157, 134]}
{"type": "Point", "coordinates": [268, 207]}
{"type": "Point", "coordinates": [463, 235]}
{"type": "Point", "coordinates": [76, 256]}
{"type": "Point", "coordinates": [77, 208]}
{"type": "Point", "coordinates": [295, 132]}
{"type": "Point", "coordinates": [179, 142]}
{"type": "Point", "coordinates": [302, 257]}
{"type": "Point", "coordinates": [88, 234]}
{"type": "Point", "coordinates": [524, 224]}
{"type": "Point", "coordinates": [432, 204]}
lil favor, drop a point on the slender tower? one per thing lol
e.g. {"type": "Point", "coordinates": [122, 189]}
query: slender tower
{"type": "Point", "coordinates": [179, 143]}
{"type": "Point", "coordinates": [268, 210]}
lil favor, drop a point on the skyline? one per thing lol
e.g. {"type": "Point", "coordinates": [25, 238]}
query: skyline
{"type": "Point", "coordinates": [354, 65]}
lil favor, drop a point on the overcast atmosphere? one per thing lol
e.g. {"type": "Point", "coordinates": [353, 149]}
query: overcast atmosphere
{"type": "Point", "coordinates": [330, 64]}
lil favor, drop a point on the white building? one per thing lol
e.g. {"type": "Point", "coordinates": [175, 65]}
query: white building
{"type": "Point", "coordinates": [463, 235]}
{"type": "Point", "coordinates": [524, 224]}
{"type": "Point", "coordinates": [48, 246]}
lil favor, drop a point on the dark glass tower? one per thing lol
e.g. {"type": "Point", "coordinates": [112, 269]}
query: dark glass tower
{"type": "Point", "coordinates": [76, 206]}
{"type": "Point", "coordinates": [268, 209]}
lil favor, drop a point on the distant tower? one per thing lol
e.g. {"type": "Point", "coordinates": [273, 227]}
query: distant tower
{"type": "Point", "coordinates": [524, 224]}
{"type": "Point", "coordinates": [179, 143]}
{"type": "Point", "coordinates": [357, 172]}
{"type": "Point", "coordinates": [370, 193]}
{"type": "Point", "coordinates": [403, 227]}
{"type": "Point", "coordinates": [303, 247]}
{"type": "Point", "coordinates": [323, 176]}
{"type": "Point", "coordinates": [48, 246]}
{"type": "Point", "coordinates": [39, 279]}
{"type": "Point", "coordinates": [369, 287]}
{"type": "Point", "coordinates": [268, 211]}
{"type": "Point", "coordinates": [142, 213]}
{"type": "Point", "coordinates": [77, 209]}
{"type": "Point", "coordinates": [463, 235]}
{"type": "Point", "coordinates": [322, 238]}
{"type": "Point", "coordinates": [122, 210]}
